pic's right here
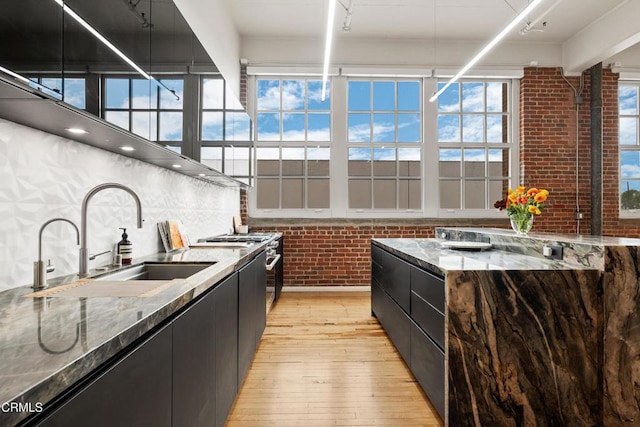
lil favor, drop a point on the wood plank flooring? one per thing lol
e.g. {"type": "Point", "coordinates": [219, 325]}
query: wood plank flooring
{"type": "Point", "coordinates": [325, 361]}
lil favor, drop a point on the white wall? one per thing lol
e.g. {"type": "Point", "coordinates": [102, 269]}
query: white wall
{"type": "Point", "coordinates": [43, 176]}
{"type": "Point", "coordinates": [211, 22]}
{"type": "Point", "coordinates": [398, 53]}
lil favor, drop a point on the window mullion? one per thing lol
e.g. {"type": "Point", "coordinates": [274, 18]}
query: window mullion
{"type": "Point", "coordinates": [339, 151]}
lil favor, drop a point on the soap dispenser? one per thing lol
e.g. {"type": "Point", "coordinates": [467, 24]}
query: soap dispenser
{"type": "Point", "coordinates": [125, 248]}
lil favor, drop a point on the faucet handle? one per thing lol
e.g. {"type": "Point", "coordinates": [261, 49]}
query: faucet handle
{"type": "Point", "coordinates": [93, 256]}
{"type": "Point", "coordinates": [50, 267]}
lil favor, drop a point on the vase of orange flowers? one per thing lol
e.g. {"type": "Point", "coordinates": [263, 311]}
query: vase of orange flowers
{"type": "Point", "coordinates": [522, 206]}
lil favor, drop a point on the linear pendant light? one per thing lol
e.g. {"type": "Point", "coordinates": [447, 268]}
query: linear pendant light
{"type": "Point", "coordinates": [327, 47]}
{"type": "Point", "coordinates": [488, 47]}
{"type": "Point", "coordinates": [100, 37]}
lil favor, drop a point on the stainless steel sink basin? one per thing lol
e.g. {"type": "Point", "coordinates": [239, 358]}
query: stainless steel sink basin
{"type": "Point", "coordinates": [157, 271]}
{"type": "Point", "coordinates": [144, 280]}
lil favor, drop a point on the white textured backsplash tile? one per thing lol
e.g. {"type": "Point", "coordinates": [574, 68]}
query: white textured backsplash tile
{"type": "Point", "coordinates": [43, 176]}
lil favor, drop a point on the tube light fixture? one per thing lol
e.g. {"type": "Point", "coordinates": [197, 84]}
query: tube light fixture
{"type": "Point", "coordinates": [327, 47]}
{"type": "Point", "coordinates": [100, 37]}
{"type": "Point", "coordinates": [488, 47]}
{"type": "Point", "coordinates": [24, 79]}
{"type": "Point", "coordinates": [15, 75]}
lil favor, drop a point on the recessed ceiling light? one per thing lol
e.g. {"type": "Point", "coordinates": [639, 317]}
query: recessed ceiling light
{"type": "Point", "coordinates": [77, 131]}
{"type": "Point", "coordinates": [201, 174]}
{"type": "Point", "coordinates": [127, 148]}
{"type": "Point", "coordinates": [177, 166]}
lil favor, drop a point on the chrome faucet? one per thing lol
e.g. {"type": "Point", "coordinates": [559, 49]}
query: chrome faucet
{"type": "Point", "coordinates": [39, 269]}
{"type": "Point", "coordinates": [84, 250]}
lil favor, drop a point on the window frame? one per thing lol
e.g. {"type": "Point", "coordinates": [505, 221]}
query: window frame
{"type": "Point", "coordinates": [628, 213]}
{"type": "Point", "coordinates": [171, 144]}
{"type": "Point", "coordinates": [281, 144]}
{"type": "Point", "coordinates": [429, 163]}
{"type": "Point", "coordinates": [373, 145]}
{"type": "Point", "coordinates": [512, 145]}
{"type": "Point", "coordinates": [223, 144]}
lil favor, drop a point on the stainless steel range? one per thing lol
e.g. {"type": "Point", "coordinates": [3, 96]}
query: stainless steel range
{"type": "Point", "coordinates": [275, 261]}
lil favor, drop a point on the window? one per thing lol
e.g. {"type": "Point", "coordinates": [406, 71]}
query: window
{"type": "Point", "coordinates": [225, 131]}
{"type": "Point", "coordinates": [474, 144]}
{"type": "Point", "coordinates": [293, 139]}
{"type": "Point", "coordinates": [146, 108]}
{"type": "Point", "coordinates": [73, 93]}
{"type": "Point", "coordinates": [629, 142]}
{"type": "Point", "coordinates": [378, 149]}
{"type": "Point", "coordinates": [385, 145]}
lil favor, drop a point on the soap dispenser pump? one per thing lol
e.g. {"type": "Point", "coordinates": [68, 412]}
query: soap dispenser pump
{"type": "Point", "coordinates": [125, 248]}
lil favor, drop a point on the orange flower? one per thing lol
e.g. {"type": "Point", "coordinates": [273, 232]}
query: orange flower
{"type": "Point", "coordinates": [541, 197]}
{"type": "Point", "coordinates": [532, 192]}
{"type": "Point", "coordinates": [534, 210]}
{"type": "Point", "coordinates": [520, 189]}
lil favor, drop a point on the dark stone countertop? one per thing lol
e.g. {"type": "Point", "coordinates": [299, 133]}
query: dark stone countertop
{"type": "Point", "coordinates": [431, 255]}
{"type": "Point", "coordinates": [49, 343]}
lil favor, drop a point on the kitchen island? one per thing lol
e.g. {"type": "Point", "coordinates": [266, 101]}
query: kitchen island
{"type": "Point", "coordinates": [520, 339]}
{"type": "Point", "coordinates": [54, 347]}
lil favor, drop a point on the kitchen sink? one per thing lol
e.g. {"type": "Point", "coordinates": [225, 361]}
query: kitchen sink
{"type": "Point", "coordinates": [157, 271]}
{"type": "Point", "coordinates": [144, 280]}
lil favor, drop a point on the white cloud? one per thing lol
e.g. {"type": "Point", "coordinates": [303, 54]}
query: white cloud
{"type": "Point", "coordinates": [628, 131]}
{"type": "Point", "coordinates": [293, 94]}
{"type": "Point", "coordinates": [628, 100]}
{"type": "Point", "coordinates": [359, 154]}
{"type": "Point", "coordinates": [268, 95]}
{"type": "Point", "coordinates": [630, 171]}
{"type": "Point", "coordinates": [472, 128]}
{"type": "Point", "coordinates": [472, 97]}
{"type": "Point", "coordinates": [450, 155]}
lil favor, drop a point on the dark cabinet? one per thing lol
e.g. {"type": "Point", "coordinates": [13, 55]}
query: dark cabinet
{"type": "Point", "coordinates": [427, 365]}
{"type": "Point", "coordinates": [194, 365]}
{"type": "Point", "coordinates": [225, 297]}
{"type": "Point", "coordinates": [186, 374]}
{"type": "Point", "coordinates": [392, 274]}
{"type": "Point", "coordinates": [252, 300]}
{"type": "Point", "coordinates": [136, 391]}
{"type": "Point", "coordinates": [427, 303]}
{"type": "Point", "coordinates": [416, 327]}
{"type": "Point", "coordinates": [394, 321]}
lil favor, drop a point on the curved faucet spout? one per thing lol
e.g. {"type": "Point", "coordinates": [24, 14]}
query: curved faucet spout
{"type": "Point", "coordinates": [84, 250]}
{"type": "Point", "coordinates": [39, 269]}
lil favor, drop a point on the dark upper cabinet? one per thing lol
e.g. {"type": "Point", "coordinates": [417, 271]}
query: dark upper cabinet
{"type": "Point", "coordinates": [151, 92]}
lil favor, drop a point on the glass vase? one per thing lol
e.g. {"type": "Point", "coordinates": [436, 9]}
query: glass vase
{"type": "Point", "coordinates": [521, 224]}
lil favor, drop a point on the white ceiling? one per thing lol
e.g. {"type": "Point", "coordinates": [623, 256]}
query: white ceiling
{"type": "Point", "coordinates": [425, 34]}
{"type": "Point", "coordinates": [415, 19]}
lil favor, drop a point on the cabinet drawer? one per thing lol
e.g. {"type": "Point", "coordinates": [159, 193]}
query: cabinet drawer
{"type": "Point", "coordinates": [429, 287]}
{"type": "Point", "coordinates": [394, 321]}
{"type": "Point", "coordinates": [392, 274]}
{"type": "Point", "coordinates": [428, 318]}
{"type": "Point", "coordinates": [427, 365]}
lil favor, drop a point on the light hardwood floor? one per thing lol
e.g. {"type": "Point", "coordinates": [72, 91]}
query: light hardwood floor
{"type": "Point", "coordinates": [325, 361]}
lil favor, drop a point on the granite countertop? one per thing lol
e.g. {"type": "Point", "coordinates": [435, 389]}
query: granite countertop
{"type": "Point", "coordinates": [431, 255]}
{"type": "Point", "coordinates": [49, 343]}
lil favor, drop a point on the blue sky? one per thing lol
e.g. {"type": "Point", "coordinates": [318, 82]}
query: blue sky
{"type": "Point", "coordinates": [628, 132]}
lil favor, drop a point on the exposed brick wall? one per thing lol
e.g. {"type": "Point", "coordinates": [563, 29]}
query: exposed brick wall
{"type": "Point", "coordinates": [548, 150]}
{"type": "Point", "coordinates": [244, 213]}
{"type": "Point", "coordinates": [243, 85]}
{"type": "Point", "coordinates": [316, 255]}
{"type": "Point", "coordinates": [548, 146]}
{"type": "Point", "coordinates": [338, 254]}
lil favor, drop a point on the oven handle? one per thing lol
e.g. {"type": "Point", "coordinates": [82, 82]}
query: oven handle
{"type": "Point", "coordinates": [273, 263]}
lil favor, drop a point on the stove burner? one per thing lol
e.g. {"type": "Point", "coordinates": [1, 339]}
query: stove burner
{"type": "Point", "coordinates": [239, 238]}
